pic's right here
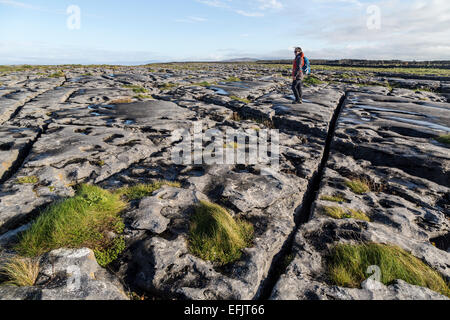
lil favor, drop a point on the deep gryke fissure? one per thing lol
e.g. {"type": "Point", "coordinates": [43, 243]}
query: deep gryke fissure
{"type": "Point", "coordinates": [303, 215]}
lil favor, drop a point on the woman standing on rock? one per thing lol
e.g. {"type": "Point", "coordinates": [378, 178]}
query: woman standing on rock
{"type": "Point", "coordinates": [297, 75]}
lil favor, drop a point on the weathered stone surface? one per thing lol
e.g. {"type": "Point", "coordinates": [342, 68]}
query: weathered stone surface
{"type": "Point", "coordinates": [69, 275]}
{"type": "Point", "coordinates": [14, 142]}
{"type": "Point", "coordinates": [119, 126]}
{"type": "Point", "coordinates": [387, 142]}
{"type": "Point", "coordinates": [305, 276]}
{"type": "Point", "coordinates": [66, 155]}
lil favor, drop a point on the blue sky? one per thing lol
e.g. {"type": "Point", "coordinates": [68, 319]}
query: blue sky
{"type": "Point", "coordinates": [137, 31]}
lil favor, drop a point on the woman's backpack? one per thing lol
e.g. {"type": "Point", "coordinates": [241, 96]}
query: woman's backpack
{"type": "Point", "coordinates": [306, 67]}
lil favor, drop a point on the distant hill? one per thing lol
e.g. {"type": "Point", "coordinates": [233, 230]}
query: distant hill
{"type": "Point", "coordinates": [241, 60]}
{"type": "Point", "coordinates": [369, 63]}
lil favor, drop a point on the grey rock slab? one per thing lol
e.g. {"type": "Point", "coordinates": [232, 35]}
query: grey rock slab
{"type": "Point", "coordinates": [66, 155]}
{"type": "Point", "coordinates": [245, 89]}
{"type": "Point", "coordinates": [396, 132]}
{"type": "Point", "coordinates": [9, 293]}
{"type": "Point", "coordinates": [83, 278]}
{"type": "Point", "coordinates": [306, 276]}
{"type": "Point", "coordinates": [76, 152]}
{"type": "Point", "coordinates": [18, 201]}
{"type": "Point", "coordinates": [98, 95]}
{"type": "Point", "coordinates": [410, 205]}
{"type": "Point", "coordinates": [14, 142]}
{"type": "Point", "coordinates": [247, 191]}
{"type": "Point", "coordinates": [69, 274]}
{"type": "Point", "coordinates": [148, 216]}
{"type": "Point", "coordinates": [153, 113]}
{"type": "Point", "coordinates": [38, 110]}
{"type": "Point", "coordinates": [312, 117]}
{"type": "Point", "coordinates": [165, 266]}
{"type": "Point", "coordinates": [10, 103]}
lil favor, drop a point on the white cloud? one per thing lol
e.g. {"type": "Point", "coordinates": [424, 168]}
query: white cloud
{"type": "Point", "coordinates": [417, 29]}
{"type": "Point", "coordinates": [249, 14]}
{"type": "Point", "coordinates": [270, 4]}
{"type": "Point", "coordinates": [251, 8]}
{"type": "Point", "coordinates": [191, 19]}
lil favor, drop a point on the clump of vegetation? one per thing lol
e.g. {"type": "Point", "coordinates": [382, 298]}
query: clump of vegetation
{"type": "Point", "coordinates": [358, 186]}
{"type": "Point", "coordinates": [136, 89]}
{"type": "Point", "coordinates": [143, 97]}
{"type": "Point", "coordinates": [333, 199]}
{"type": "Point", "coordinates": [312, 81]}
{"type": "Point", "coordinates": [445, 139]}
{"type": "Point", "coordinates": [233, 79]}
{"type": "Point", "coordinates": [240, 99]}
{"type": "Point", "coordinates": [28, 180]}
{"type": "Point", "coordinates": [347, 266]}
{"type": "Point", "coordinates": [100, 163]}
{"type": "Point", "coordinates": [215, 236]}
{"type": "Point", "coordinates": [122, 101]}
{"type": "Point", "coordinates": [58, 74]}
{"type": "Point", "coordinates": [341, 213]}
{"type": "Point", "coordinates": [21, 272]}
{"type": "Point", "coordinates": [85, 220]}
{"type": "Point", "coordinates": [202, 84]}
{"type": "Point", "coordinates": [167, 86]}
{"type": "Point", "coordinates": [140, 191]}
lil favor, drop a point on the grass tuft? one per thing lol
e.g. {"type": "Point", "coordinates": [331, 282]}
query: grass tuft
{"type": "Point", "coordinates": [58, 74]}
{"type": "Point", "coordinates": [312, 81]}
{"type": "Point", "coordinates": [122, 101]}
{"type": "Point", "coordinates": [167, 86]}
{"type": "Point", "coordinates": [341, 213]}
{"type": "Point", "coordinates": [215, 236]}
{"type": "Point", "coordinates": [445, 139]}
{"type": "Point", "coordinates": [86, 220]}
{"type": "Point", "coordinates": [202, 84]}
{"type": "Point", "coordinates": [240, 99]}
{"type": "Point", "coordinates": [333, 199]}
{"type": "Point", "coordinates": [136, 89]}
{"type": "Point", "coordinates": [358, 186]}
{"type": "Point", "coordinates": [140, 191]}
{"type": "Point", "coordinates": [21, 272]}
{"type": "Point", "coordinates": [347, 265]}
{"type": "Point", "coordinates": [233, 79]}
{"type": "Point", "coordinates": [28, 180]}
{"type": "Point", "coordinates": [143, 97]}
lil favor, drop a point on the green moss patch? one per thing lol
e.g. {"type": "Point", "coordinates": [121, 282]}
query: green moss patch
{"type": "Point", "coordinates": [58, 74]}
{"type": "Point", "coordinates": [312, 81]}
{"type": "Point", "coordinates": [215, 236]}
{"type": "Point", "coordinates": [358, 186]}
{"type": "Point", "coordinates": [168, 86]}
{"type": "Point", "coordinates": [341, 213]}
{"type": "Point", "coordinates": [203, 84]}
{"type": "Point", "coordinates": [347, 266]}
{"type": "Point", "coordinates": [333, 199]}
{"type": "Point", "coordinates": [136, 89]}
{"type": "Point", "coordinates": [28, 180]}
{"type": "Point", "coordinates": [143, 97]}
{"type": "Point", "coordinates": [140, 191]}
{"type": "Point", "coordinates": [445, 139]}
{"type": "Point", "coordinates": [233, 79]}
{"type": "Point", "coordinates": [240, 99]}
{"type": "Point", "coordinates": [85, 220]}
